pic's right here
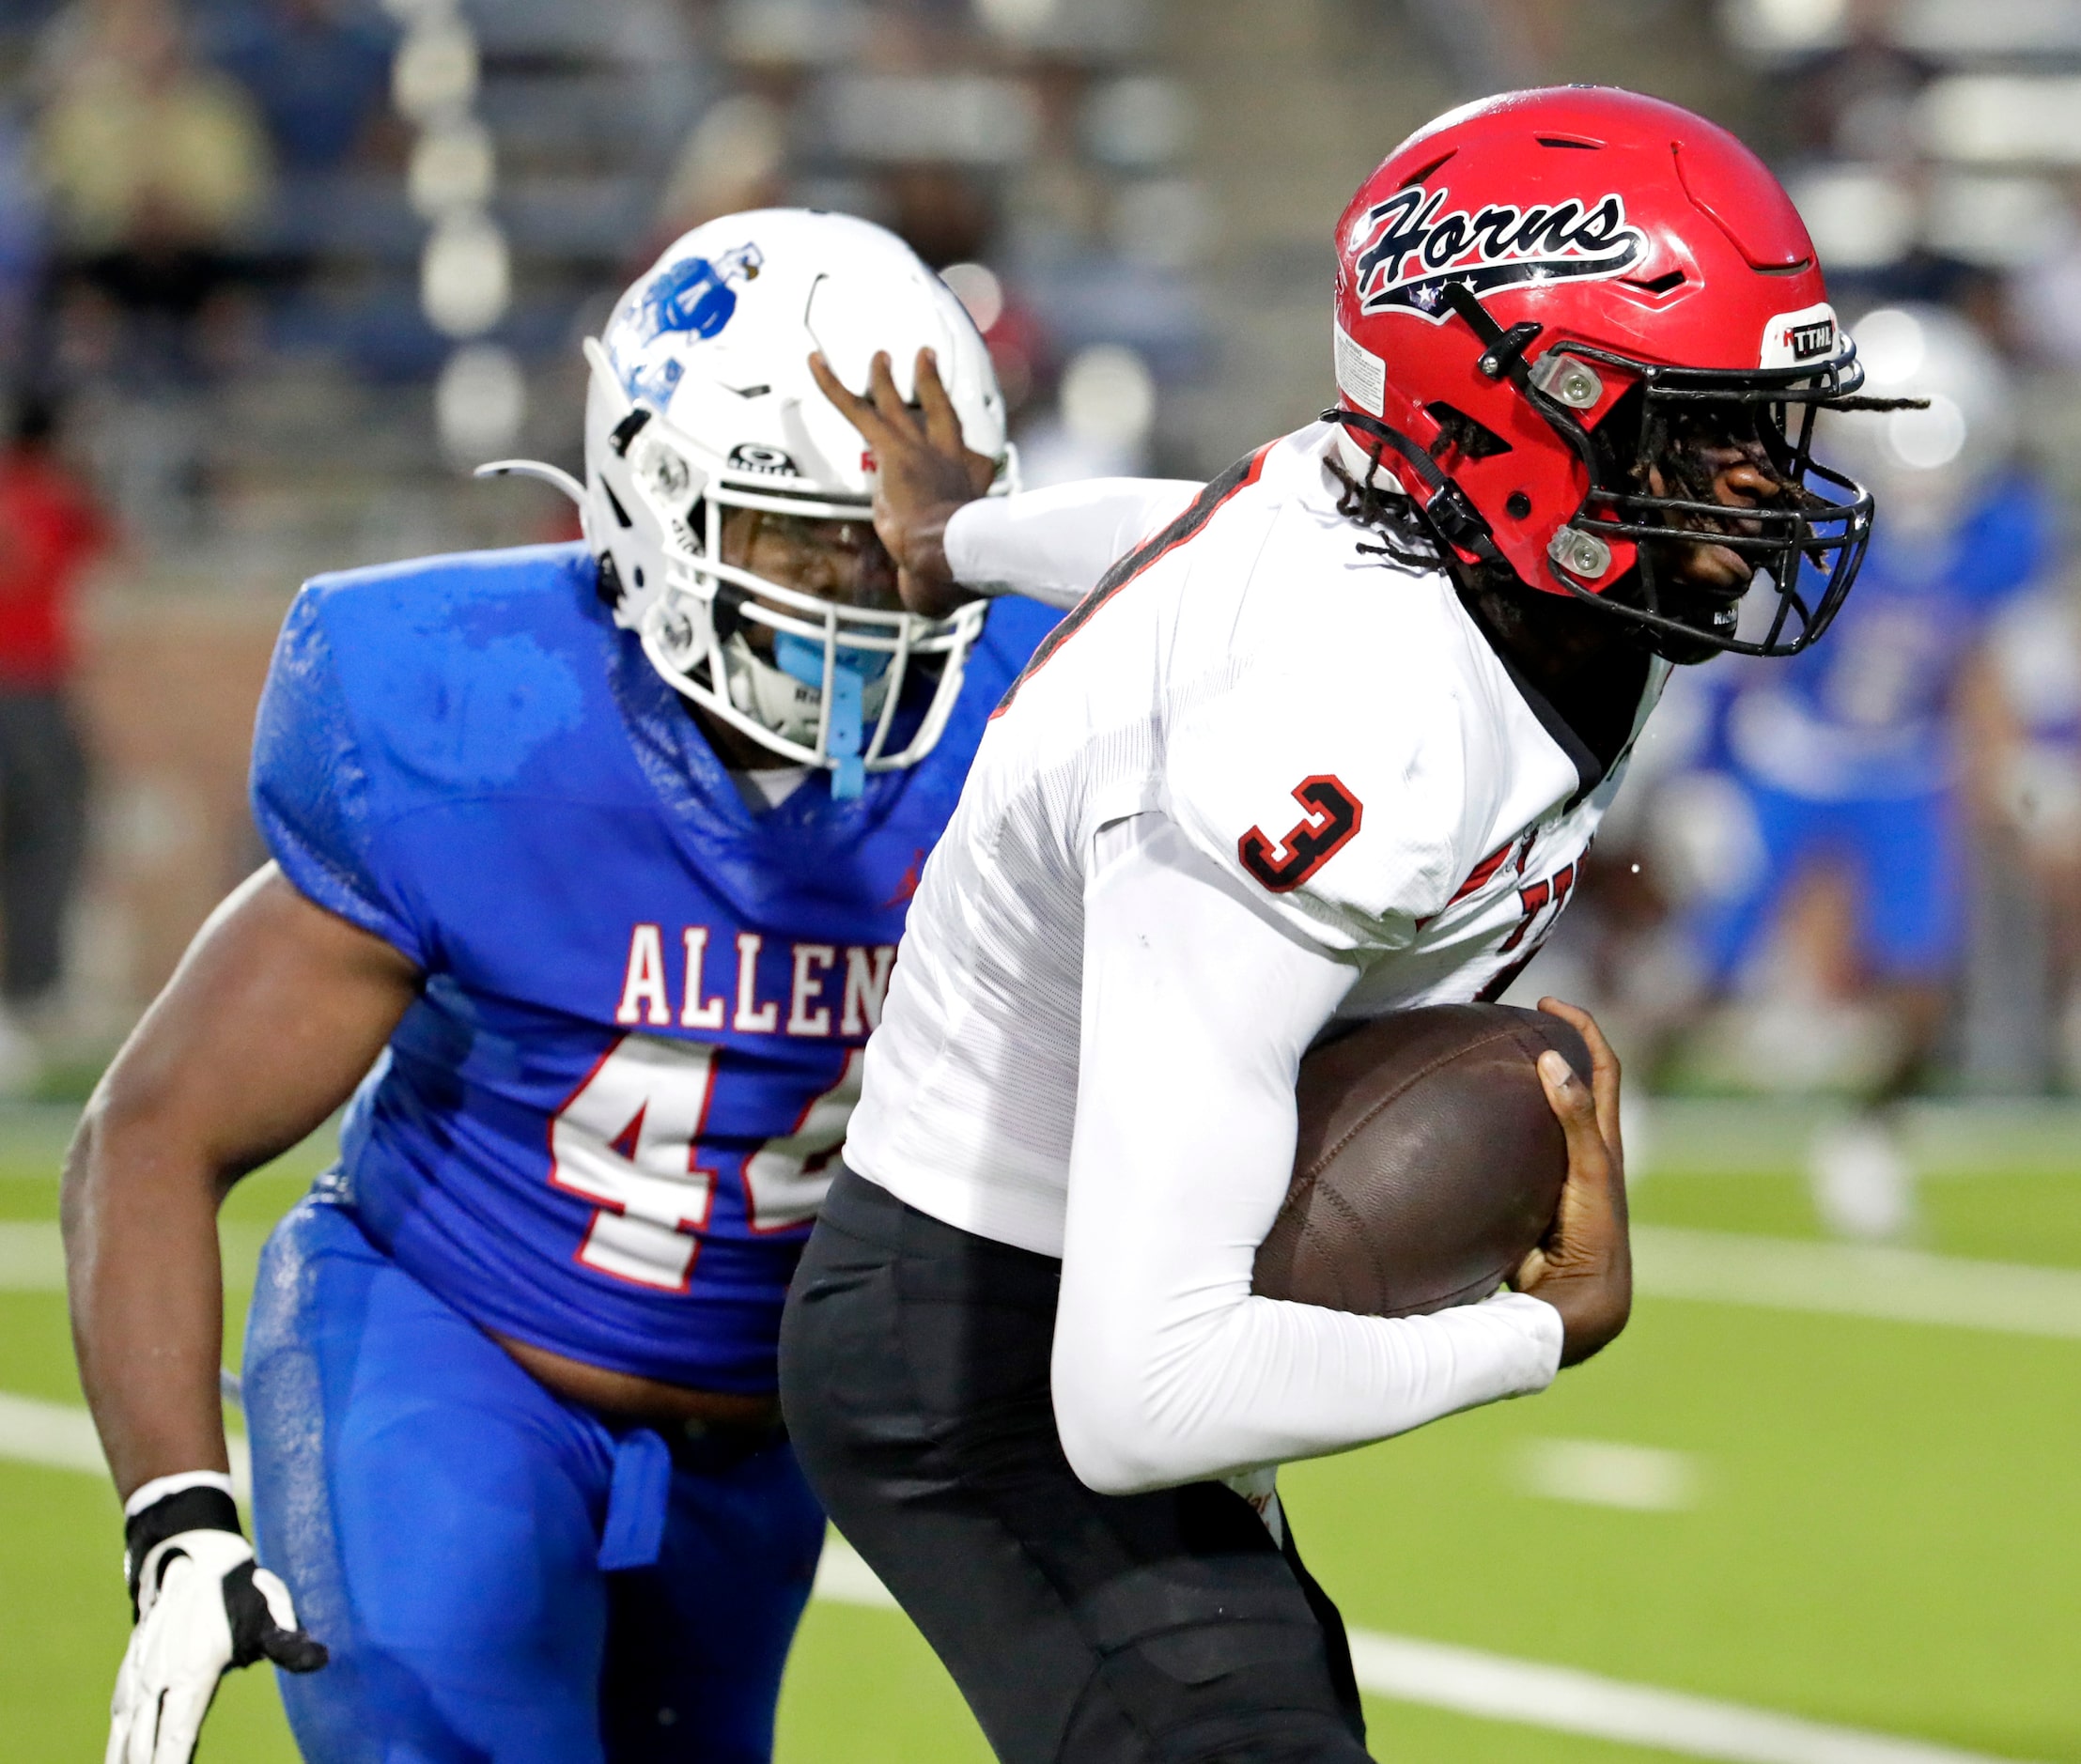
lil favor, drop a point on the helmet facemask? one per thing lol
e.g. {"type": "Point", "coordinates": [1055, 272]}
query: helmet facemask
{"type": "Point", "coordinates": [1654, 463]}
{"type": "Point", "coordinates": [821, 681]}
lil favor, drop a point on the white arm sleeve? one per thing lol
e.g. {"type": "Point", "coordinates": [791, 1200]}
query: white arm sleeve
{"type": "Point", "coordinates": [1197, 1008]}
{"type": "Point", "coordinates": [1053, 545]}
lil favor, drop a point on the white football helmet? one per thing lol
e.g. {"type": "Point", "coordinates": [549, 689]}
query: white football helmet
{"type": "Point", "coordinates": [1924, 466]}
{"type": "Point", "coordinates": [700, 400]}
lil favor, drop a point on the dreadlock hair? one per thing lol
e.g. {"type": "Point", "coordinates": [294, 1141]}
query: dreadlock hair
{"type": "Point", "coordinates": [1393, 516]}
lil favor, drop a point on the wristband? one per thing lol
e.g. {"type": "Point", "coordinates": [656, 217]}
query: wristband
{"type": "Point", "coordinates": [199, 1506]}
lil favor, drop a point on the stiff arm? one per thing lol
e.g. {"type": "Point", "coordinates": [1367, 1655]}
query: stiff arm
{"type": "Point", "coordinates": [1053, 545]}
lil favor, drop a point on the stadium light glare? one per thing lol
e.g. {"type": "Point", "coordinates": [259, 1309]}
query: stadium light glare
{"type": "Point", "coordinates": [434, 74]}
{"type": "Point", "coordinates": [479, 403]}
{"type": "Point", "coordinates": [452, 166]}
{"type": "Point", "coordinates": [1109, 396]}
{"type": "Point", "coordinates": [1990, 119]}
{"type": "Point", "coordinates": [1784, 27]}
{"type": "Point", "coordinates": [465, 275]}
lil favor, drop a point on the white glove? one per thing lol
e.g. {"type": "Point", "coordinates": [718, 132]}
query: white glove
{"type": "Point", "coordinates": [203, 1607]}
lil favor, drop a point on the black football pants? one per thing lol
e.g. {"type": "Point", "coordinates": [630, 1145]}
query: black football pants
{"type": "Point", "coordinates": [1082, 1628]}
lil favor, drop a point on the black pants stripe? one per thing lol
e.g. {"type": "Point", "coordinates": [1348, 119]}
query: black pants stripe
{"type": "Point", "coordinates": [1165, 1628]}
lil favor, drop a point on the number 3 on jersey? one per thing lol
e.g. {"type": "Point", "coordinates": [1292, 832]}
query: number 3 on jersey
{"type": "Point", "coordinates": [630, 1139]}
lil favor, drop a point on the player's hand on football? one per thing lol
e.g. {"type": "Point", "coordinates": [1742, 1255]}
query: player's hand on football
{"type": "Point", "coordinates": [203, 1607]}
{"type": "Point", "coordinates": [1584, 1269]}
{"type": "Point", "coordinates": [923, 471]}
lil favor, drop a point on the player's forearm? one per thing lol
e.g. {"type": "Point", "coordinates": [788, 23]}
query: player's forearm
{"type": "Point", "coordinates": [1256, 1381]}
{"type": "Point", "coordinates": [1170, 1370]}
{"type": "Point", "coordinates": [277, 1010]}
{"type": "Point", "coordinates": [1053, 545]}
{"type": "Point", "coordinates": [147, 1291]}
{"type": "Point", "coordinates": [1167, 1369]}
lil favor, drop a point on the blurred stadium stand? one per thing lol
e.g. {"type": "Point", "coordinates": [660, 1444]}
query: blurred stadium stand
{"type": "Point", "coordinates": [1134, 196]}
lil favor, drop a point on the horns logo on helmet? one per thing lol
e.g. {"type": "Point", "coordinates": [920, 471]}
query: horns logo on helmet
{"type": "Point", "coordinates": [1417, 250]}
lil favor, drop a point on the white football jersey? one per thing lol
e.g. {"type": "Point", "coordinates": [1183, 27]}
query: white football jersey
{"type": "Point", "coordinates": [1329, 727]}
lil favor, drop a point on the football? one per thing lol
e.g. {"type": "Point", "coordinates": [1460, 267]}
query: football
{"type": "Point", "coordinates": [1429, 1161]}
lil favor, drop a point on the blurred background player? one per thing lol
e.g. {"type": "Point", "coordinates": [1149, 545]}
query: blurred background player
{"type": "Point", "coordinates": [1845, 823]}
{"type": "Point", "coordinates": [50, 530]}
{"type": "Point", "coordinates": [599, 851]}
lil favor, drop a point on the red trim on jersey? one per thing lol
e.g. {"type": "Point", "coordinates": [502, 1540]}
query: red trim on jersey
{"type": "Point", "coordinates": [690, 1228]}
{"type": "Point", "coordinates": [848, 1068]}
{"type": "Point", "coordinates": [1482, 873]}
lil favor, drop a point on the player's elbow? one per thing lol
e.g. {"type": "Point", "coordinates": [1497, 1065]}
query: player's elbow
{"type": "Point", "coordinates": [1111, 1429]}
{"type": "Point", "coordinates": [132, 1130]}
{"type": "Point", "coordinates": [1104, 1447]}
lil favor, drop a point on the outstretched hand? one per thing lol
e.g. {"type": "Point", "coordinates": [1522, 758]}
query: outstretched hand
{"type": "Point", "coordinates": [1584, 1269]}
{"type": "Point", "coordinates": [923, 471]}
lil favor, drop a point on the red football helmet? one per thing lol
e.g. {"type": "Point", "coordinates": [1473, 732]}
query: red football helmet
{"type": "Point", "coordinates": [1537, 290]}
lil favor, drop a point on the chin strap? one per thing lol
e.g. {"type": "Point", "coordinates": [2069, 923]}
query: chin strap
{"type": "Point", "coordinates": [1451, 515]}
{"type": "Point", "coordinates": [785, 696]}
{"type": "Point", "coordinates": [851, 674]}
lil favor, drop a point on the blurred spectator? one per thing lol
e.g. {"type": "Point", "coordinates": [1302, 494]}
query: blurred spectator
{"type": "Point", "coordinates": [942, 212]}
{"type": "Point", "coordinates": [1857, 103]}
{"type": "Point", "coordinates": [2044, 294]}
{"type": "Point", "coordinates": [154, 165]}
{"type": "Point", "coordinates": [22, 250]}
{"type": "Point", "coordinates": [736, 158]}
{"type": "Point", "coordinates": [318, 71]}
{"type": "Point", "coordinates": [1018, 346]}
{"type": "Point", "coordinates": [1847, 832]}
{"type": "Point", "coordinates": [2027, 793]}
{"type": "Point", "coordinates": [50, 531]}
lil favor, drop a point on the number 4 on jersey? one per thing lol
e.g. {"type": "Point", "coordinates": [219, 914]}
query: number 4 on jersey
{"type": "Point", "coordinates": [628, 1138]}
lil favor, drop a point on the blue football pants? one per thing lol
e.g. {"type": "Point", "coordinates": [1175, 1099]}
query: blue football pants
{"type": "Point", "coordinates": [442, 1520]}
{"type": "Point", "coordinates": [1906, 854]}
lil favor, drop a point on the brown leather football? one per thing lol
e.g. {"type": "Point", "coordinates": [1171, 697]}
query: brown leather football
{"type": "Point", "coordinates": [1429, 1161]}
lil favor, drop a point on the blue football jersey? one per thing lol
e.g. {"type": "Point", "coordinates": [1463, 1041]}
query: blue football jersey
{"type": "Point", "coordinates": [1865, 713]}
{"type": "Point", "coordinates": [606, 1123]}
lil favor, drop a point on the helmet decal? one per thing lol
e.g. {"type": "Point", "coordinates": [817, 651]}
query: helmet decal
{"type": "Point", "coordinates": [1415, 250]}
{"type": "Point", "coordinates": [695, 294]}
{"type": "Point", "coordinates": [1791, 339]}
{"type": "Point", "coordinates": [1361, 374]}
{"type": "Point", "coordinates": [768, 461]}
{"type": "Point", "coordinates": [692, 295]}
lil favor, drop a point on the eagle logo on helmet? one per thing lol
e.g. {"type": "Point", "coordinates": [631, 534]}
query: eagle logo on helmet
{"type": "Point", "coordinates": [1415, 249]}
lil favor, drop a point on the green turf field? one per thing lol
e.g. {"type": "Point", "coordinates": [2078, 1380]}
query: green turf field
{"type": "Point", "coordinates": [1859, 1522]}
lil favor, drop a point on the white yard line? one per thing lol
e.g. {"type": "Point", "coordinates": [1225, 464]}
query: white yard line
{"type": "Point", "coordinates": [1494, 1688]}
{"type": "Point", "coordinates": [1602, 1473]}
{"type": "Point", "coordinates": [1560, 1697]}
{"type": "Point", "coordinates": [32, 1257]}
{"type": "Point", "coordinates": [32, 1254]}
{"type": "Point", "coordinates": [1896, 1285]}
{"type": "Point", "coordinates": [1489, 1686]}
{"type": "Point", "coordinates": [1721, 1267]}
{"type": "Point", "coordinates": [61, 1436]}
